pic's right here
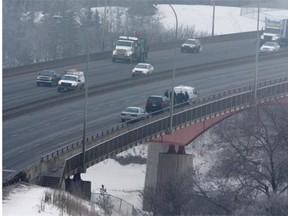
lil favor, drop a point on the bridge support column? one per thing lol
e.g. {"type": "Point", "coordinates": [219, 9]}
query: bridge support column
{"type": "Point", "coordinates": [78, 187]}
{"type": "Point", "coordinates": [163, 163]}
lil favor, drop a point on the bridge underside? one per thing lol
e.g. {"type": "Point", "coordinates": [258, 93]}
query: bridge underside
{"type": "Point", "coordinates": [184, 136]}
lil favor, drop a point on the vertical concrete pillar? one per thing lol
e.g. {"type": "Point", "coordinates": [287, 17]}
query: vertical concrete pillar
{"type": "Point", "coordinates": [171, 165]}
{"type": "Point", "coordinates": [152, 162]}
{"type": "Point", "coordinates": [164, 164]}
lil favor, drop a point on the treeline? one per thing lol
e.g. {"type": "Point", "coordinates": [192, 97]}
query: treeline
{"type": "Point", "coordinates": [31, 32]}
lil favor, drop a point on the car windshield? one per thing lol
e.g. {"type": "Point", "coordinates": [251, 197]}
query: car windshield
{"type": "Point", "coordinates": [141, 66]}
{"type": "Point", "coordinates": [124, 43]}
{"type": "Point", "coordinates": [269, 44]}
{"type": "Point", "coordinates": [190, 41]}
{"type": "Point", "coordinates": [46, 73]}
{"type": "Point", "coordinates": [72, 78]}
{"type": "Point", "coordinates": [132, 110]}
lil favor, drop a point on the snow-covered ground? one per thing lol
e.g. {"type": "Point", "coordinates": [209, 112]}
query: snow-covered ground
{"type": "Point", "coordinates": [127, 181]}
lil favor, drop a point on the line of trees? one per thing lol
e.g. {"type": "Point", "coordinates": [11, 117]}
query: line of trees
{"type": "Point", "coordinates": [249, 175]}
{"type": "Point", "coordinates": [31, 35]}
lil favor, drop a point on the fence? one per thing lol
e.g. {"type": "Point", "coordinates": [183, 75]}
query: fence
{"type": "Point", "coordinates": [120, 206]}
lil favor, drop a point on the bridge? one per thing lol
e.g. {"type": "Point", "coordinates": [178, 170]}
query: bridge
{"type": "Point", "coordinates": [202, 114]}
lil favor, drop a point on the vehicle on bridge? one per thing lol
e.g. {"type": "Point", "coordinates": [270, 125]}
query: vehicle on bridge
{"type": "Point", "coordinates": [142, 69]}
{"type": "Point", "coordinates": [133, 114]}
{"type": "Point", "coordinates": [130, 49]}
{"type": "Point", "coordinates": [72, 80]}
{"type": "Point", "coordinates": [156, 104]}
{"type": "Point", "coordinates": [48, 77]}
{"type": "Point", "coordinates": [182, 94]}
{"type": "Point", "coordinates": [191, 92]}
{"type": "Point", "coordinates": [191, 45]}
{"type": "Point", "coordinates": [269, 47]}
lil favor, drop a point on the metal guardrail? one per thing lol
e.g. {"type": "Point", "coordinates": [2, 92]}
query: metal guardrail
{"type": "Point", "coordinates": [206, 108]}
{"type": "Point", "coordinates": [111, 141]}
{"type": "Point", "coordinates": [197, 102]}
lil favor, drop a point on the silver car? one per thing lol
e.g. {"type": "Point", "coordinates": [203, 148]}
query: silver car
{"type": "Point", "coordinates": [269, 47]}
{"type": "Point", "coordinates": [133, 114]}
{"type": "Point", "coordinates": [142, 69]}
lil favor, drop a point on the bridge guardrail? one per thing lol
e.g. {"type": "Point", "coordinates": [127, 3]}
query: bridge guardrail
{"type": "Point", "coordinates": [117, 139]}
{"type": "Point", "coordinates": [155, 128]}
{"type": "Point", "coordinates": [196, 102]}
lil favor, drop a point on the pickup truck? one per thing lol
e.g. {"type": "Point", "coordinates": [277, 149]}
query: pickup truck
{"type": "Point", "coordinates": [72, 80]}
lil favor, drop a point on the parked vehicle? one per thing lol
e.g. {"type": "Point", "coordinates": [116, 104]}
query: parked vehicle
{"type": "Point", "coordinates": [157, 104]}
{"type": "Point", "coordinates": [269, 47]}
{"type": "Point", "coordinates": [130, 49]}
{"type": "Point", "coordinates": [142, 69]}
{"type": "Point", "coordinates": [72, 80]}
{"type": "Point", "coordinates": [191, 45]}
{"type": "Point", "coordinates": [276, 30]}
{"type": "Point", "coordinates": [182, 94]}
{"type": "Point", "coordinates": [48, 77]}
{"type": "Point", "coordinates": [189, 92]}
{"type": "Point", "coordinates": [133, 114]}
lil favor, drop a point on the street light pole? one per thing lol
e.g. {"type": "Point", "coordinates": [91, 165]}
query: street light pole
{"type": "Point", "coordinates": [85, 87]}
{"type": "Point", "coordinates": [174, 71]}
{"type": "Point", "coordinates": [103, 26]}
{"type": "Point", "coordinates": [213, 18]}
{"type": "Point", "coordinates": [257, 52]}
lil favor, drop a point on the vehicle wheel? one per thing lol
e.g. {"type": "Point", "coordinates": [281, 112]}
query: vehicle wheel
{"type": "Point", "coordinates": [182, 50]}
{"type": "Point", "coordinates": [59, 89]}
{"type": "Point", "coordinates": [38, 84]}
{"type": "Point", "coordinates": [122, 120]}
{"type": "Point", "coordinates": [113, 59]}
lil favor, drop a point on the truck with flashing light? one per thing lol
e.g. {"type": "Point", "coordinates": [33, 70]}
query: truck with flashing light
{"type": "Point", "coordinates": [130, 49]}
{"type": "Point", "coordinates": [72, 80]}
{"type": "Point", "coordinates": [275, 30]}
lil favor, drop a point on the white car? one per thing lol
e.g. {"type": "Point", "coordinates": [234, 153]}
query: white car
{"type": "Point", "coordinates": [133, 114]}
{"type": "Point", "coordinates": [270, 47]}
{"type": "Point", "coordinates": [142, 69]}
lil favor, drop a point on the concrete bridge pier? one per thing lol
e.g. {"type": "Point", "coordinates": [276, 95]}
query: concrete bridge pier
{"type": "Point", "coordinates": [78, 187]}
{"type": "Point", "coordinates": [164, 161]}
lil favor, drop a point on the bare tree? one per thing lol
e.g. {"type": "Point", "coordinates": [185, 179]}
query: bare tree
{"type": "Point", "coordinates": [255, 150]}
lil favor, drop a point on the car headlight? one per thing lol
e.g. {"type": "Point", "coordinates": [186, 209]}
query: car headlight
{"type": "Point", "coordinates": [275, 38]}
{"type": "Point", "coordinates": [50, 78]}
{"type": "Point", "coordinates": [38, 77]}
{"type": "Point", "coordinates": [74, 84]}
{"type": "Point", "coordinates": [114, 52]}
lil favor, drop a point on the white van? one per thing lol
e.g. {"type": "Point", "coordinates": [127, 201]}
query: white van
{"type": "Point", "coordinates": [191, 91]}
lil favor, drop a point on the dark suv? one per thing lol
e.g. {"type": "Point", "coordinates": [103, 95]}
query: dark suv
{"type": "Point", "coordinates": [191, 45]}
{"type": "Point", "coordinates": [157, 104]}
{"type": "Point", "coordinates": [48, 77]}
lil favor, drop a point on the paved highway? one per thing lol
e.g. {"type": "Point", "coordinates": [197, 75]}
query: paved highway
{"type": "Point", "coordinates": [28, 137]}
{"type": "Point", "coordinates": [22, 89]}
